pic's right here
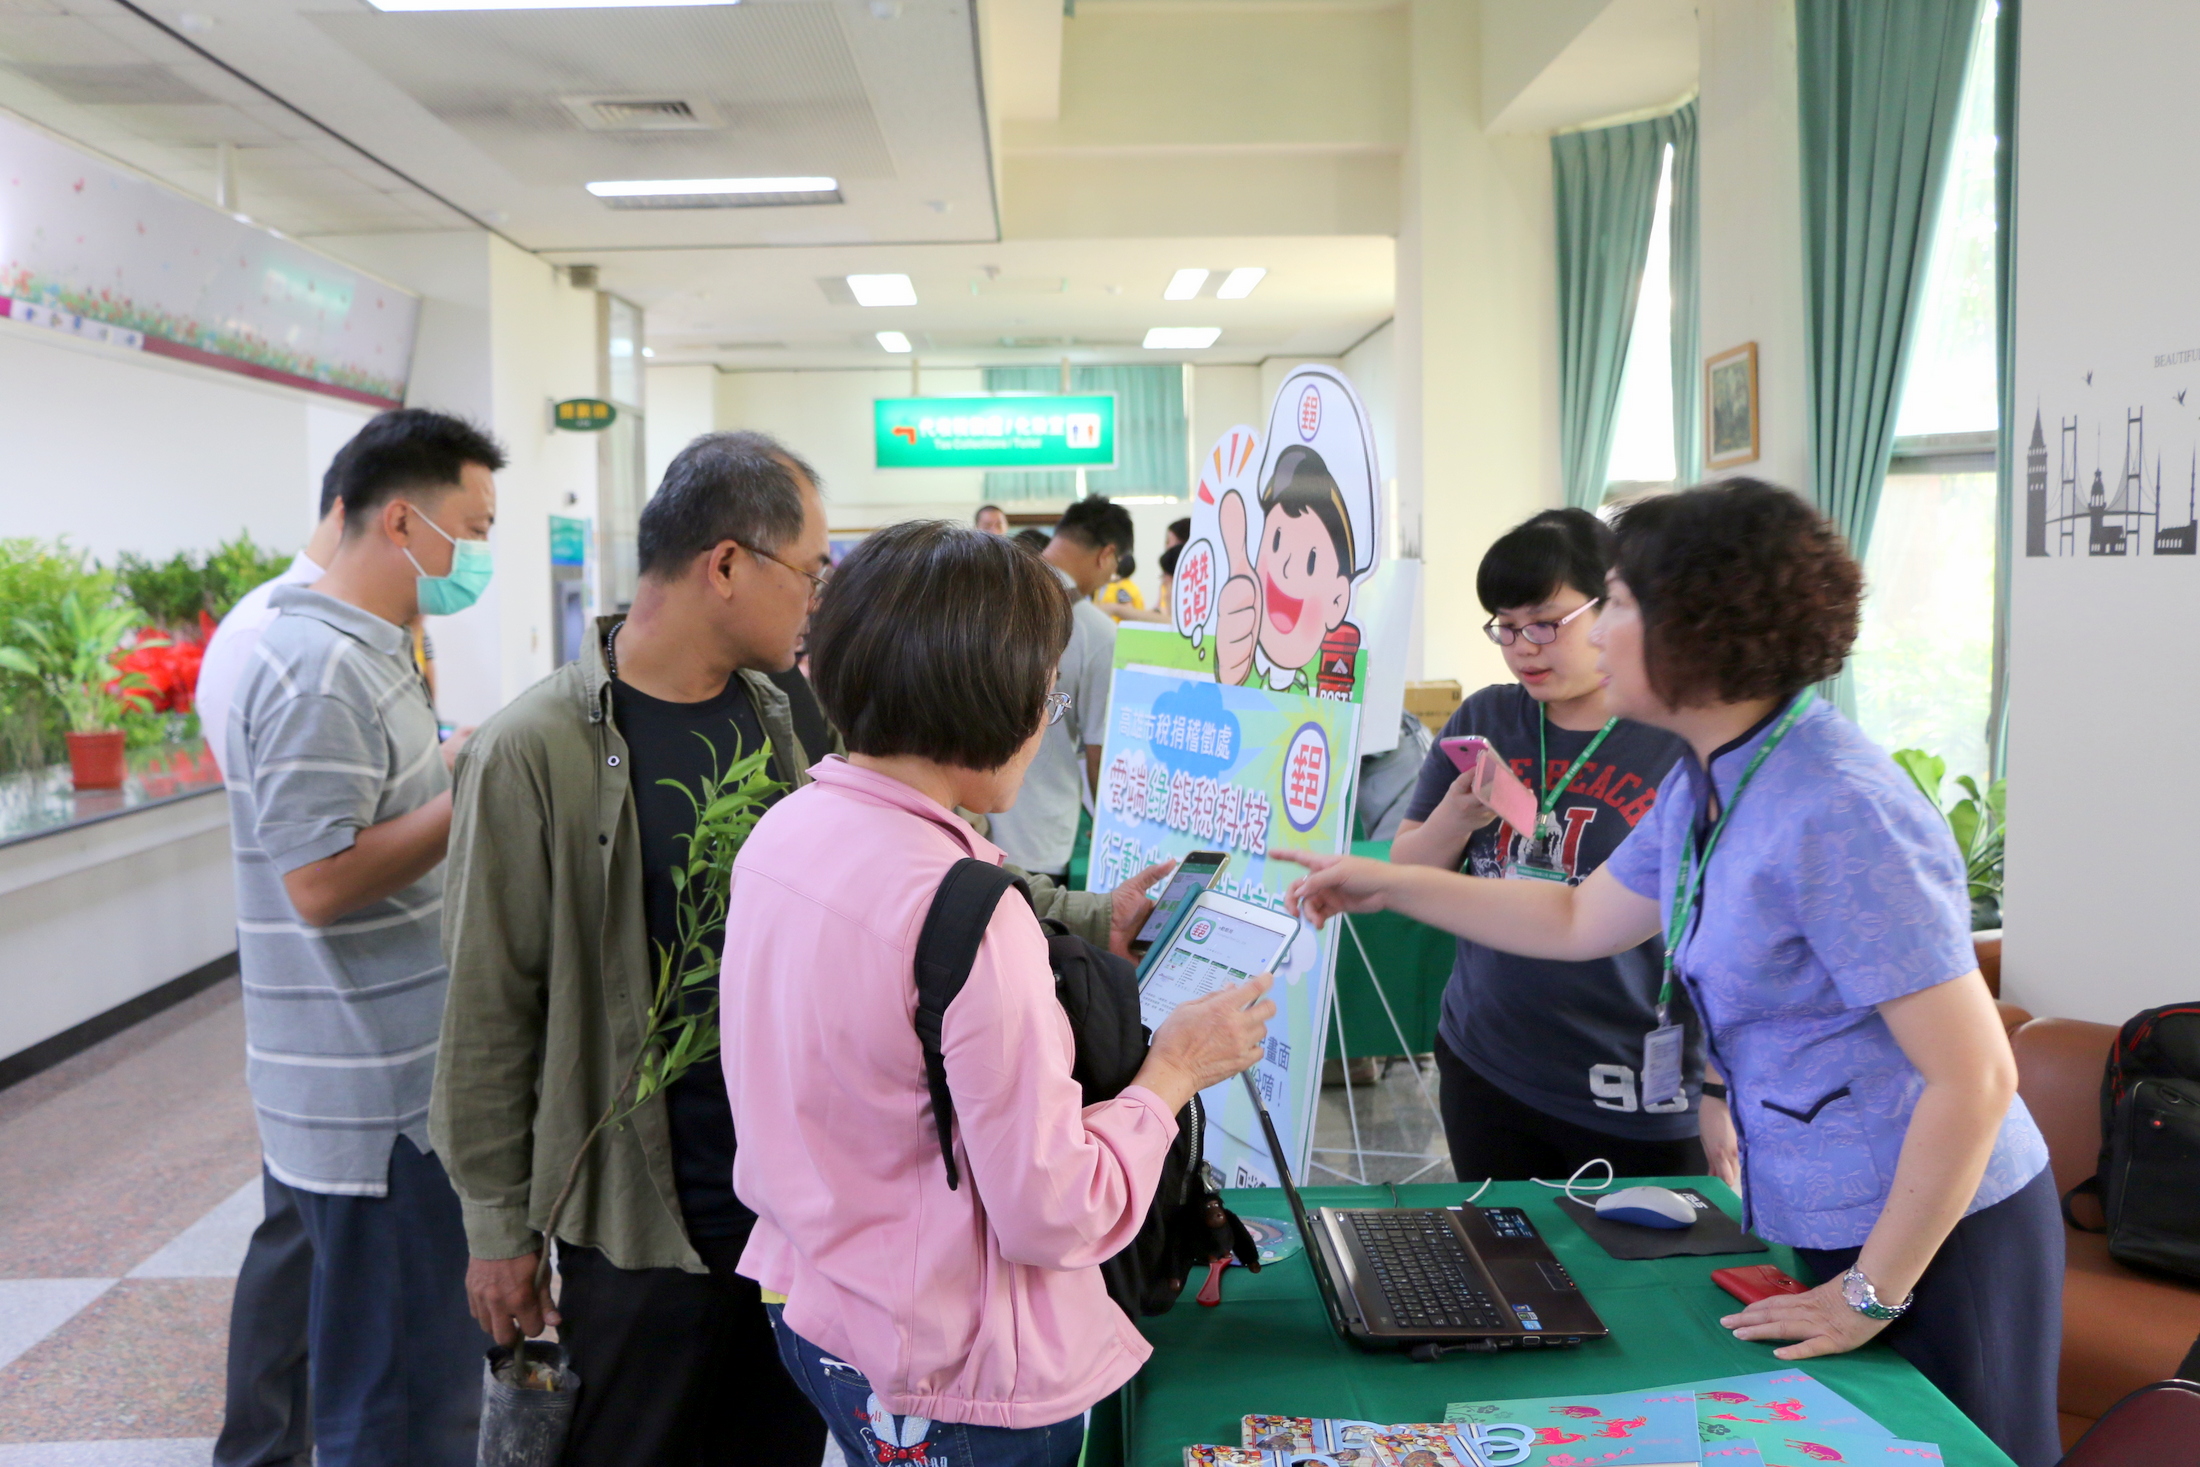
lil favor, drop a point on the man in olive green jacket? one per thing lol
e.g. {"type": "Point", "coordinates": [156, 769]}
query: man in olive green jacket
{"type": "Point", "coordinates": [549, 935]}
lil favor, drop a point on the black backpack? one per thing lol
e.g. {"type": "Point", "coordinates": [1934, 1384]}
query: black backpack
{"type": "Point", "coordinates": [2149, 1178]}
{"type": "Point", "coordinates": [1187, 1225]}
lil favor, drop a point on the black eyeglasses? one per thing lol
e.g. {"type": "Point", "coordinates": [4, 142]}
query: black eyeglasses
{"type": "Point", "coordinates": [1541, 633]}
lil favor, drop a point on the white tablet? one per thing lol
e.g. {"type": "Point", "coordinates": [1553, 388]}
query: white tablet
{"type": "Point", "coordinates": [1220, 941]}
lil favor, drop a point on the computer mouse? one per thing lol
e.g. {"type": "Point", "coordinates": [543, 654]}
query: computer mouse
{"type": "Point", "coordinates": [1647, 1207]}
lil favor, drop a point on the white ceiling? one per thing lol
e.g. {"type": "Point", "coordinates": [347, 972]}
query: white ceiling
{"type": "Point", "coordinates": [999, 303]}
{"type": "Point", "coordinates": [345, 104]}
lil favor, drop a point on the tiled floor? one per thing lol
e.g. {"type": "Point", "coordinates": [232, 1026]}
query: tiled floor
{"type": "Point", "coordinates": [129, 1184]}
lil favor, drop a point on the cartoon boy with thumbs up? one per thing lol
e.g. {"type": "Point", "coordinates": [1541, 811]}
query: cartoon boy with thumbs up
{"type": "Point", "coordinates": [1274, 613]}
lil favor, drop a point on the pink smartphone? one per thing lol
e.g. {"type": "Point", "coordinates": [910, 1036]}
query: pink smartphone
{"type": "Point", "coordinates": [1498, 787]}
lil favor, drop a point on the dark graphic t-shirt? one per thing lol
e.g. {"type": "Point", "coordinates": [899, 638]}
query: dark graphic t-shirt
{"type": "Point", "coordinates": [666, 741]}
{"type": "Point", "coordinates": [1565, 1038]}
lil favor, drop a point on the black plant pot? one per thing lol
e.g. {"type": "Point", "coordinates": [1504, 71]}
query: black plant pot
{"type": "Point", "coordinates": [522, 1427]}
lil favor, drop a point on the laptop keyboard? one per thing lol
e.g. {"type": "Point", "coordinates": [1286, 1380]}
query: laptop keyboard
{"type": "Point", "coordinates": [1426, 1276]}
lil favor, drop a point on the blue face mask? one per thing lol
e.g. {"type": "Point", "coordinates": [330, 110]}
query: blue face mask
{"type": "Point", "coordinates": [471, 565]}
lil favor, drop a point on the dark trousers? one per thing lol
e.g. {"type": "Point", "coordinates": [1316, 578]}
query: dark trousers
{"type": "Point", "coordinates": [1493, 1135]}
{"type": "Point", "coordinates": [396, 1355]}
{"type": "Point", "coordinates": [1986, 1326]}
{"type": "Point", "coordinates": [678, 1369]}
{"type": "Point", "coordinates": [267, 1412]}
{"type": "Point", "coordinates": [868, 1433]}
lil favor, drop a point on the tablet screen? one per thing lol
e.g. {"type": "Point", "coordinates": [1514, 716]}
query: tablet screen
{"type": "Point", "coordinates": [1216, 945]}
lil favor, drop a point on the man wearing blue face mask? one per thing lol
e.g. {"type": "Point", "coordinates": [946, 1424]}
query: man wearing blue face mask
{"type": "Point", "coordinates": [340, 810]}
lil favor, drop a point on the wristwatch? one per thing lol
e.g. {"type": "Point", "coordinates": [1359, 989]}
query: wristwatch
{"type": "Point", "coordinates": [1864, 1299]}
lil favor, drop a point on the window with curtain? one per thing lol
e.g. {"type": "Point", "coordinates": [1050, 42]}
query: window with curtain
{"type": "Point", "coordinates": [1642, 430]}
{"type": "Point", "coordinates": [1924, 662]}
{"type": "Point", "coordinates": [1151, 434]}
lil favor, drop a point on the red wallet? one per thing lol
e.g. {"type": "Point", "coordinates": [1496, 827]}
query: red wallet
{"type": "Point", "coordinates": [1755, 1281]}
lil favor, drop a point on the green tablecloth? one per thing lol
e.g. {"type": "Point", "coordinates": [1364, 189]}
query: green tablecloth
{"type": "Point", "coordinates": [1269, 1348]}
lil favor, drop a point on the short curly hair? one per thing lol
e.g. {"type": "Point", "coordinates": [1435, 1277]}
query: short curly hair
{"type": "Point", "coordinates": [1746, 592]}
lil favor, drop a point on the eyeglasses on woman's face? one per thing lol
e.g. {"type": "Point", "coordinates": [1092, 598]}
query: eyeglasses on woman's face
{"type": "Point", "coordinates": [1057, 705]}
{"type": "Point", "coordinates": [1541, 633]}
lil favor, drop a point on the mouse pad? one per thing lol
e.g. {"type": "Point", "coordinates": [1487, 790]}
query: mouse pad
{"type": "Point", "coordinates": [1713, 1233]}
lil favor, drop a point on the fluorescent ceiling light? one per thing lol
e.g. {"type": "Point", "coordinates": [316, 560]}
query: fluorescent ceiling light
{"type": "Point", "coordinates": [1239, 283]}
{"type": "Point", "coordinates": [882, 290]}
{"type": "Point", "coordinates": [641, 188]}
{"type": "Point", "coordinates": [1184, 285]}
{"type": "Point", "coordinates": [894, 341]}
{"type": "Point", "coordinates": [1181, 338]}
{"type": "Point", "coordinates": [531, 4]}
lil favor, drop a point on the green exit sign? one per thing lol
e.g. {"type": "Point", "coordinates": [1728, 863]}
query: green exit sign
{"type": "Point", "coordinates": [996, 432]}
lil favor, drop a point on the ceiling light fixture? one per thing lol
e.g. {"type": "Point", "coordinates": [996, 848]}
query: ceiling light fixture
{"type": "Point", "coordinates": [882, 290]}
{"type": "Point", "coordinates": [531, 4]}
{"type": "Point", "coordinates": [1239, 283]}
{"type": "Point", "coordinates": [1184, 285]}
{"type": "Point", "coordinates": [1181, 338]}
{"type": "Point", "coordinates": [894, 341]}
{"type": "Point", "coordinates": [649, 351]}
{"type": "Point", "coordinates": [643, 188]}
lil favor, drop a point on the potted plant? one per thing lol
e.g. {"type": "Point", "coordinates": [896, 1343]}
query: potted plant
{"type": "Point", "coordinates": [70, 649]}
{"type": "Point", "coordinates": [1978, 822]}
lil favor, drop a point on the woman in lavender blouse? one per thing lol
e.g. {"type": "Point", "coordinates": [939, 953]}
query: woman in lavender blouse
{"type": "Point", "coordinates": [1829, 955]}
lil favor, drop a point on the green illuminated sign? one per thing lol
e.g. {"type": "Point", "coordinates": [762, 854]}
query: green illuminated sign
{"type": "Point", "coordinates": [583, 415]}
{"type": "Point", "coordinates": [996, 432]}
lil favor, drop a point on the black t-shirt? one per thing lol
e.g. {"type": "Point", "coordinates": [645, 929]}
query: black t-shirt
{"type": "Point", "coordinates": [1565, 1038]}
{"type": "Point", "coordinates": [808, 714]}
{"type": "Point", "coordinates": [662, 743]}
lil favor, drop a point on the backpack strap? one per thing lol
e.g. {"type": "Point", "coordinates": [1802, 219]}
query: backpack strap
{"type": "Point", "coordinates": [946, 947]}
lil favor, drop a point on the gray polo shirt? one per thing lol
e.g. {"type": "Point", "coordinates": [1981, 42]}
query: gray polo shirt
{"type": "Point", "coordinates": [1040, 830]}
{"type": "Point", "coordinates": [331, 731]}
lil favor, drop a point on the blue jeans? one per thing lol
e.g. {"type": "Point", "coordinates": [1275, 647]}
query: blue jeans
{"type": "Point", "coordinates": [871, 1436]}
{"type": "Point", "coordinates": [396, 1355]}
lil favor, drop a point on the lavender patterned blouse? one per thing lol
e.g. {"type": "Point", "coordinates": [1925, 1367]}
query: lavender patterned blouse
{"type": "Point", "coordinates": [1836, 887]}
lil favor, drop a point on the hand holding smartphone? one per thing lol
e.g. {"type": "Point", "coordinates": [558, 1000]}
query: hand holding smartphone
{"type": "Point", "coordinates": [1495, 785]}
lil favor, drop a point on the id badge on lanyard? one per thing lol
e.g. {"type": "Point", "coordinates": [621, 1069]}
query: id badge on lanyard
{"type": "Point", "coordinates": [1542, 861]}
{"type": "Point", "coordinates": [1662, 1049]}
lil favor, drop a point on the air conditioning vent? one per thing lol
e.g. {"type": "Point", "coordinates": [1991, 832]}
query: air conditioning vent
{"type": "Point", "coordinates": [641, 114]}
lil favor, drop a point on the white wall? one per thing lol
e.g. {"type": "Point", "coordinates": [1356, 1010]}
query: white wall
{"type": "Point", "coordinates": [120, 451]}
{"type": "Point", "coordinates": [1476, 337]}
{"type": "Point", "coordinates": [502, 337]}
{"type": "Point", "coordinates": [2101, 864]}
{"type": "Point", "coordinates": [1752, 219]}
{"type": "Point", "coordinates": [683, 405]}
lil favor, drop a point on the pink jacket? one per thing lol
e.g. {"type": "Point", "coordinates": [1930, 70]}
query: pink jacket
{"type": "Point", "coordinates": [982, 1305]}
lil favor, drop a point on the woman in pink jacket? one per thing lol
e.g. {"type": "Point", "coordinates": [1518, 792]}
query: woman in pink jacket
{"type": "Point", "coordinates": [933, 1324]}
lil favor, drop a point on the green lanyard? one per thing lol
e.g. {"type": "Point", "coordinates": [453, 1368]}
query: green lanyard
{"type": "Point", "coordinates": [1543, 827]}
{"type": "Point", "coordinates": [1688, 884]}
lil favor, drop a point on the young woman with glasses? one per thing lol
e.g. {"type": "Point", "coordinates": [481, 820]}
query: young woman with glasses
{"type": "Point", "coordinates": [1540, 1061]}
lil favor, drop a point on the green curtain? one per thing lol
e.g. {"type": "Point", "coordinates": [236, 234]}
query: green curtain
{"type": "Point", "coordinates": [1151, 434]}
{"type": "Point", "coordinates": [1605, 183]}
{"type": "Point", "coordinates": [1687, 334]}
{"type": "Point", "coordinates": [1878, 87]}
{"type": "Point", "coordinates": [2006, 25]}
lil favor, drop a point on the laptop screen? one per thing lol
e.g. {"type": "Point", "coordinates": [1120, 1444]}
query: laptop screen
{"type": "Point", "coordinates": [1315, 1258]}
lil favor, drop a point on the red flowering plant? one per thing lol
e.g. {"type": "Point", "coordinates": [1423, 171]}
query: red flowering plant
{"type": "Point", "coordinates": [159, 674]}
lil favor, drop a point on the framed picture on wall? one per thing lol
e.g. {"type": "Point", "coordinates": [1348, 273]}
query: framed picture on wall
{"type": "Point", "coordinates": [1730, 407]}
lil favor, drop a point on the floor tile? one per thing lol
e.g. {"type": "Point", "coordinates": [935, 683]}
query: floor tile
{"type": "Point", "coordinates": [143, 1360]}
{"type": "Point", "coordinates": [213, 1247]}
{"type": "Point", "coordinates": [148, 1452]}
{"type": "Point", "coordinates": [104, 1171]}
{"type": "Point", "coordinates": [1399, 1137]}
{"type": "Point", "coordinates": [31, 1309]}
